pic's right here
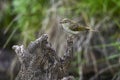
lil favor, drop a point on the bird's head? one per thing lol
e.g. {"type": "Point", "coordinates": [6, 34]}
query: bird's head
{"type": "Point", "coordinates": [65, 20]}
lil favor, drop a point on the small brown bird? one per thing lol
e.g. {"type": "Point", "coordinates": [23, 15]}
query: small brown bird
{"type": "Point", "coordinates": [73, 27]}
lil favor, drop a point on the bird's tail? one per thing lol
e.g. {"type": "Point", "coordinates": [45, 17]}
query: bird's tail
{"type": "Point", "coordinates": [90, 29]}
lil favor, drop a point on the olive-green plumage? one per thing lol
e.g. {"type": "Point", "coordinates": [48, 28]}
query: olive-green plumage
{"type": "Point", "coordinates": [73, 27]}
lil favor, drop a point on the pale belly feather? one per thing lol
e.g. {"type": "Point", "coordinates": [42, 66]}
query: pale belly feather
{"type": "Point", "coordinates": [66, 28]}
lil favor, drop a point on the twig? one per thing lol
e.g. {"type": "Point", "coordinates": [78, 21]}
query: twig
{"type": "Point", "coordinates": [103, 70]}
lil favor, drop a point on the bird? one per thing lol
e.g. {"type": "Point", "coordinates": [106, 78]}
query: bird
{"type": "Point", "coordinates": [73, 27]}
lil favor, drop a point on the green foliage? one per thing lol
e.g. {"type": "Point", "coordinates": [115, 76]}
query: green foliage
{"type": "Point", "coordinates": [98, 7]}
{"type": "Point", "coordinates": [31, 13]}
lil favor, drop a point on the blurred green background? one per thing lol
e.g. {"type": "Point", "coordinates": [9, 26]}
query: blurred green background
{"type": "Point", "coordinates": [22, 21]}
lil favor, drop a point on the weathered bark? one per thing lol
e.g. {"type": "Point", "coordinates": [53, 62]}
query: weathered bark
{"type": "Point", "coordinates": [39, 61]}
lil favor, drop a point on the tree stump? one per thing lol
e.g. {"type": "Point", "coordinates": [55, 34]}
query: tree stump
{"type": "Point", "coordinates": [39, 61]}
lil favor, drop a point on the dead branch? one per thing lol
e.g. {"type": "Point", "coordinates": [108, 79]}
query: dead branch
{"type": "Point", "coordinates": [39, 61]}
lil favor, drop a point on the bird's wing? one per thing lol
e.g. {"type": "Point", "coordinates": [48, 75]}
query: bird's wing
{"type": "Point", "coordinates": [74, 26]}
{"type": "Point", "coordinates": [77, 27]}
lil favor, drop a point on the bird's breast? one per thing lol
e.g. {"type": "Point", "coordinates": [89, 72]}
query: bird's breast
{"type": "Point", "coordinates": [66, 28]}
